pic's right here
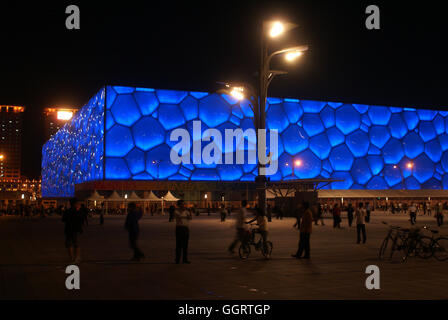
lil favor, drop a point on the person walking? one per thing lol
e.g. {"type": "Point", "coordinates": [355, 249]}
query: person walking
{"type": "Point", "coordinates": [223, 212]}
{"type": "Point", "coordinates": [368, 209]}
{"type": "Point", "coordinates": [101, 217]}
{"type": "Point", "coordinates": [269, 213]}
{"type": "Point", "coordinates": [171, 210]}
{"type": "Point", "coordinates": [439, 215]}
{"type": "Point", "coordinates": [360, 216]}
{"type": "Point", "coordinates": [183, 218]}
{"type": "Point", "coordinates": [413, 213]}
{"type": "Point", "coordinates": [305, 228]}
{"type": "Point", "coordinates": [131, 225]}
{"type": "Point", "coordinates": [241, 227]}
{"type": "Point", "coordinates": [350, 211]}
{"type": "Point", "coordinates": [298, 212]}
{"type": "Point", "coordinates": [336, 216]}
{"type": "Point", "coordinates": [320, 214]}
{"type": "Point", "coordinates": [73, 227]}
{"type": "Point", "coordinates": [84, 214]}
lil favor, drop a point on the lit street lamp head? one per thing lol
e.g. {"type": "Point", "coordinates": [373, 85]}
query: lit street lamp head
{"type": "Point", "coordinates": [290, 56]}
{"type": "Point", "coordinates": [276, 29]}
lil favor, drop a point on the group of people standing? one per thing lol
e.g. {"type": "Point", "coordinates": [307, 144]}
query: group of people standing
{"type": "Point", "coordinates": [75, 218]}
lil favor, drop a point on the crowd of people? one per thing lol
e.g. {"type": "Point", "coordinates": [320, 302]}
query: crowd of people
{"type": "Point", "coordinates": [75, 217]}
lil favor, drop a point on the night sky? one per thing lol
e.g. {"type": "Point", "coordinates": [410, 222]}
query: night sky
{"type": "Point", "coordinates": [190, 45]}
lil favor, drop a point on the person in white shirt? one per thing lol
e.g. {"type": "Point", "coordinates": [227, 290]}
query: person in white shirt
{"type": "Point", "coordinates": [183, 217]}
{"type": "Point", "coordinates": [360, 216]}
{"type": "Point", "coordinates": [413, 213]}
{"type": "Point", "coordinates": [241, 226]}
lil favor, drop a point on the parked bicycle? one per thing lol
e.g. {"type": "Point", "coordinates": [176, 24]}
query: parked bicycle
{"type": "Point", "coordinates": [412, 242]}
{"type": "Point", "coordinates": [395, 241]}
{"type": "Point", "coordinates": [257, 242]}
{"type": "Point", "coordinates": [428, 247]}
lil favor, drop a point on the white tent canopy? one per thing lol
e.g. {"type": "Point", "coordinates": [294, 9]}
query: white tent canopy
{"type": "Point", "coordinates": [152, 197]}
{"type": "Point", "coordinates": [114, 197]}
{"type": "Point", "coordinates": [169, 197]}
{"type": "Point", "coordinates": [133, 197]}
{"type": "Point", "coordinates": [95, 197]}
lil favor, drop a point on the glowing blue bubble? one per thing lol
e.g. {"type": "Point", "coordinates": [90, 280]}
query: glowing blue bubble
{"type": "Point", "coordinates": [347, 119]}
{"type": "Point", "coordinates": [413, 145]}
{"type": "Point", "coordinates": [147, 102]}
{"type": "Point", "coordinates": [312, 124]}
{"type": "Point", "coordinates": [360, 171]}
{"type": "Point", "coordinates": [379, 115]}
{"type": "Point", "coordinates": [379, 135]}
{"type": "Point", "coordinates": [125, 110]}
{"type": "Point", "coordinates": [358, 143]}
{"type": "Point", "coordinates": [341, 158]}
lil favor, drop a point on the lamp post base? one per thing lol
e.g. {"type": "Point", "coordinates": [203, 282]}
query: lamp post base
{"type": "Point", "coordinates": [260, 182]}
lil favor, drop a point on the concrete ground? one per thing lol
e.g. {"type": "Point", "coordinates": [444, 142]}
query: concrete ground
{"type": "Point", "coordinates": [33, 261]}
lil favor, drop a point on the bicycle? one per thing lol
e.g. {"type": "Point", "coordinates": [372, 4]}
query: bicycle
{"type": "Point", "coordinates": [397, 238]}
{"type": "Point", "coordinates": [265, 248]}
{"type": "Point", "coordinates": [432, 247]}
{"type": "Point", "coordinates": [391, 236]}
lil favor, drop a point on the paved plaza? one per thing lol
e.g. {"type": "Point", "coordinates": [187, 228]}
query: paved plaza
{"type": "Point", "coordinates": [33, 261]}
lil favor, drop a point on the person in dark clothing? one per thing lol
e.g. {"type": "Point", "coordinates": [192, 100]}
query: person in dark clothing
{"type": "Point", "coordinates": [269, 213]}
{"type": "Point", "coordinates": [350, 211]}
{"type": "Point", "coordinates": [223, 212]}
{"type": "Point", "coordinates": [360, 223]}
{"type": "Point", "coordinates": [305, 228]}
{"type": "Point", "coordinates": [320, 214]}
{"type": "Point", "coordinates": [368, 212]}
{"type": "Point", "coordinates": [73, 220]}
{"type": "Point", "coordinates": [439, 215]}
{"type": "Point", "coordinates": [298, 214]}
{"type": "Point", "coordinates": [131, 225]}
{"type": "Point", "coordinates": [171, 213]}
{"type": "Point", "coordinates": [101, 216]}
{"type": "Point", "coordinates": [183, 217]}
{"type": "Point", "coordinates": [280, 211]}
{"type": "Point", "coordinates": [336, 216]}
{"type": "Point", "coordinates": [84, 215]}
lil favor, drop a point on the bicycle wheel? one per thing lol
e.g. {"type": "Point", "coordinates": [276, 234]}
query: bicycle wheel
{"type": "Point", "coordinates": [423, 247]}
{"type": "Point", "coordinates": [267, 249]}
{"type": "Point", "coordinates": [440, 249]}
{"type": "Point", "coordinates": [383, 248]}
{"type": "Point", "coordinates": [244, 251]}
{"type": "Point", "coordinates": [396, 246]}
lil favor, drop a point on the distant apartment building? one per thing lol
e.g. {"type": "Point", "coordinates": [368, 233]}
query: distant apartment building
{"type": "Point", "coordinates": [11, 118]}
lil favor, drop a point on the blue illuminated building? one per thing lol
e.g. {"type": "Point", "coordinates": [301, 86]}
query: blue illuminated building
{"type": "Point", "coordinates": [122, 133]}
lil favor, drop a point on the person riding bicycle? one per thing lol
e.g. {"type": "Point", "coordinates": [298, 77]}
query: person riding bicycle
{"type": "Point", "coordinates": [262, 223]}
{"type": "Point", "coordinates": [241, 227]}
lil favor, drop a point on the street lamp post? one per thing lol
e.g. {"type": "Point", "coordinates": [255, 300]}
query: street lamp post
{"type": "Point", "coordinates": [410, 166]}
{"type": "Point", "coordinates": [266, 75]}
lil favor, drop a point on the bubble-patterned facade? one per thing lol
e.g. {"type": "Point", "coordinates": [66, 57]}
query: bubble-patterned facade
{"type": "Point", "coordinates": [369, 147]}
{"type": "Point", "coordinates": [75, 153]}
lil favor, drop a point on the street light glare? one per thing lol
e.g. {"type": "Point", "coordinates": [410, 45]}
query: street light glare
{"type": "Point", "coordinates": [298, 163]}
{"type": "Point", "coordinates": [290, 56]}
{"type": "Point", "coordinates": [237, 93]}
{"type": "Point", "coordinates": [410, 165]}
{"type": "Point", "coordinates": [277, 29]}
